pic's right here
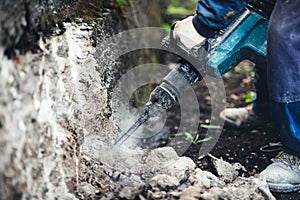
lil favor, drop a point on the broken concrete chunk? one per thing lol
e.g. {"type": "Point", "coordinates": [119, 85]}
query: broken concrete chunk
{"type": "Point", "coordinates": [164, 182]}
{"type": "Point", "coordinates": [131, 192]}
{"type": "Point", "coordinates": [214, 181]}
{"type": "Point", "coordinates": [180, 167]}
{"type": "Point", "coordinates": [191, 193]}
{"type": "Point", "coordinates": [225, 170]}
{"type": "Point", "coordinates": [165, 160]}
{"type": "Point", "coordinates": [161, 155]}
{"type": "Point", "coordinates": [262, 186]}
{"type": "Point", "coordinates": [245, 188]}
{"type": "Point", "coordinates": [214, 193]}
{"type": "Point", "coordinates": [199, 177]}
{"type": "Point", "coordinates": [156, 194]}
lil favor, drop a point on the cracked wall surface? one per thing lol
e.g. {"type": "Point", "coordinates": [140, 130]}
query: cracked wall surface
{"type": "Point", "coordinates": [23, 22]}
{"type": "Point", "coordinates": [49, 101]}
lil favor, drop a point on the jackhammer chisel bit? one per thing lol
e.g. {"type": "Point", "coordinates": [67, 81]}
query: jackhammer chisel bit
{"type": "Point", "coordinates": [141, 120]}
{"type": "Point", "coordinates": [164, 96]}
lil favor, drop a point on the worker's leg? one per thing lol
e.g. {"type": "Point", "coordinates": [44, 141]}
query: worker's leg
{"type": "Point", "coordinates": [286, 119]}
{"type": "Point", "coordinates": [284, 87]}
{"type": "Point", "coordinates": [260, 106]}
{"type": "Point", "coordinates": [284, 72]}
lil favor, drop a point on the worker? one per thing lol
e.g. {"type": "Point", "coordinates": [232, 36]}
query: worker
{"type": "Point", "coordinates": [277, 85]}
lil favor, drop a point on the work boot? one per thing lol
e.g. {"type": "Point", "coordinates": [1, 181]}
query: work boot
{"type": "Point", "coordinates": [283, 175]}
{"type": "Point", "coordinates": [242, 118]}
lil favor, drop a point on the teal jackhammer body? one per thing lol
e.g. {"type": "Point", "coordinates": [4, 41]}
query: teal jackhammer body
{"type": "Point", "coordinates": [244, 39]}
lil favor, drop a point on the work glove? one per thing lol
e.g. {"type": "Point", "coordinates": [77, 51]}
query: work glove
{"type": "Point", "coordinates": [185, 33]}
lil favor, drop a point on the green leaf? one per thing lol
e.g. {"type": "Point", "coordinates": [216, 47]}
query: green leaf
{"type": "Point", "coordinates": [166, 26]}
{"type": "Point", "coordinates": [210, 126]}
{"type": "Point", "coordinates": [177, 10]}
{"type": "Point", "coordinates": [249, 98]}
{"type": "Point", "coordinates": [203, 140]}
{"type": "Point", "coordinates": [122, 3]}
{"type": "Point", "coordinates": [194, 140]}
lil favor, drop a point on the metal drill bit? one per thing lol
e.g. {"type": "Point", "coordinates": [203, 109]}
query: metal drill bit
{"type": "Point", "coordinates": [143, 118]}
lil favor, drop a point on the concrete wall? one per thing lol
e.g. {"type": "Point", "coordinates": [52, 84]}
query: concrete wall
{"type": "Point", "coordinates": [50, 98]}
{"type": "Point", "coordinates": [22, 22]}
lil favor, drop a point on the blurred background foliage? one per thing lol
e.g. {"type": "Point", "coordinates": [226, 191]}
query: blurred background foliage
{"type": "Point", "coordinates": [133, 13]}
{"type": "Point", "coordinates": [176, 10]}
{"type": "Point", "coordinates": [158, 13]}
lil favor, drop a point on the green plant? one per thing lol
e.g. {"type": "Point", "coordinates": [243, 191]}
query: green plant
{"type": "Point", "coordinates": [249, 97]}
{"type": "Point", "coordinates": [166, 26]}
{"type": "Point", "coordinates": [193, 139]}
{"type": "Point", "coordinates": [122, 3]}
{"type": "Point", "coordinates": [210, 126]}
{"type": "Point", "coordinates": [180, 7]}
{"type": "Point", "coordinates": [178, 10]}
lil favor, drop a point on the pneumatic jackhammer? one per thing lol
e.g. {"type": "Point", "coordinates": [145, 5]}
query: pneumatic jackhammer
{"type": "Point", "coordinates": [245, 38]}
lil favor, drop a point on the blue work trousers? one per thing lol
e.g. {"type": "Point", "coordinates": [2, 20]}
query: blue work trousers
{"type": "Point", "coordinates": [278, 83]}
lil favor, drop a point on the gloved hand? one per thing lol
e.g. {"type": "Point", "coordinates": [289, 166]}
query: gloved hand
{"type": "Point", "coordinates": [185, 33]}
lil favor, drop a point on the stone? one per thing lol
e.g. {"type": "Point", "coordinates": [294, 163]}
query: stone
{"type": "Point", "coordinates": [164, 182]}
{"type": "Point", "coordinates": [255, 187]}
{"type": "Point", "coordinates": [215, 193]}
{"type": "Point", "coordinates": [180, 168]}
{"type": "Point", "coordinates": [191, 193]}
{"type": "Point", "coordinates": [200, 177]}
{"type": "Point", "coordinates": [214, 181]}
{"type": "Point", "coordinates": [226, 170]}
{"type": "Point", "coordinates": [156, 195]}
{"type": "Point", "coordinates": [165, 160]}
{"type": "Point", "coordinates": [131, 192]}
